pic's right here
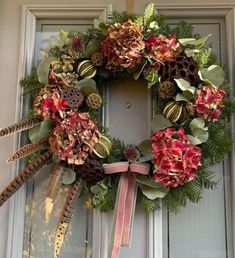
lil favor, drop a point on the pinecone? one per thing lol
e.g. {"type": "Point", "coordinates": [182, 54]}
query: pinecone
{"type": "Point", "coordinates": [73, 96]}
{"type": "Point", "coordinates": [94, 101]}
{"type": "Point", "coordinates": [91, 171]}
{"type": "Point", "coordinates": [182, 67]}
{"type": "Point", "coordinates": [167, 90]}
{"type": "Point", "coordinates": [97, 59]}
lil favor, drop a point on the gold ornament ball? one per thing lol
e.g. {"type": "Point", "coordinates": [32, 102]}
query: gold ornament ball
{"type": "Point", "coordinates": [86, 69]}
{"type": "Point", "coordinates": [103, 147]}
{"type": "Point", "coordinates": [175, 112]}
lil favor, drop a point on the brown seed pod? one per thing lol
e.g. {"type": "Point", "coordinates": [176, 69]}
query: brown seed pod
{"type": "Point", "coordinates": [86, 69]}
{"type": "Point", "coordinates": [94, 101]}
{"type": "Point", "coordinates": [73, 96]}
{"type": "Point", "coordinates": [91, 171]}
{"type": "Point", "coordinates": [175, 112]}
{"type": "Point", "coordinates": [167, 90]}
{"type": "Point", "coordinates": [97, 59]}
{"type": "Point", "coordinates": [181, 67]}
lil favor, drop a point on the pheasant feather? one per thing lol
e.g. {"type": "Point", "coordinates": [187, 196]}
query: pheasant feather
{"type": "Point", "coordinates": [28, 149]}
{"type": "Point", "coordinates": [66, 215]}
{"type": "Point", "coordinates": [28, 172]}
{"type": "Point", "coordinates": [55, 183]}
{"type": "Point", "coordinates": [20, 126]}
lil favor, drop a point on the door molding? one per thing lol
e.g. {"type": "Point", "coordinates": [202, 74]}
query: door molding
{"type": "Point", "coordinates": [29, 16]}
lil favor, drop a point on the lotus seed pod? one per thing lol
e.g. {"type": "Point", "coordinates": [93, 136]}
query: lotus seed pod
{"type": "Point", "coordinates": [175, 112]}
{"type": "Point", "coordinates": [103, 147]}
{"type": "Point", "coordinates": [97, 59]}
{"type": "Point", "coordinates": [73, 96]}
{"type": "Point", "coordinates": [86, 69]}
{"type": "Point", "coordinates": [167, 90]}
{"type": "Point", "coordinates": [94, 101]}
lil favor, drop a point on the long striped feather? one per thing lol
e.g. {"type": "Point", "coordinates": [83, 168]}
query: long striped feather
{"type": "Point", "coordinates": [20, 126]}
{"type": "Point", "coordinates": [73, 195]}
{"type": "Point", "coordinates": [28, 172]}
{"type": "Point", "coordinates": [55, 184]}
{"type": "Point", "coordinates": [28, 149]}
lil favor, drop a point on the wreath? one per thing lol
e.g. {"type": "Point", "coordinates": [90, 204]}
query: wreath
{"type": "Point", "coordinates": [190, 129]}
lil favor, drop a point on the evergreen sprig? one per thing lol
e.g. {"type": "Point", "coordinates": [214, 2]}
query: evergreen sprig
{"type": "Point", "coordinates": [30, 83]}
{"type": "Point", "coordinates": [183, 30]}
{"type": "Point", "coordinates": [147, 204]}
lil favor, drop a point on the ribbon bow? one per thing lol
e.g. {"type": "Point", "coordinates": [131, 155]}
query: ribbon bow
{"type": "Point", "coordinates": [125, 202]}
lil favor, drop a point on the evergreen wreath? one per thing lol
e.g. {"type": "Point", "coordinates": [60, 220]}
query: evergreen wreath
{"type": "Point", "coordinates": [190, 130]}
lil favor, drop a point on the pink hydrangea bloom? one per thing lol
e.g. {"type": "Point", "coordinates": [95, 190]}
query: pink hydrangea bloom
{"type": "Point", "coordinates": [176, 160]}
{"type": "Point", "coordinates": [209, 102]}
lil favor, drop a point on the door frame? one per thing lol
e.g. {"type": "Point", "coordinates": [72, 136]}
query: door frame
{"type": "Point", "coordinates": [30, 14]}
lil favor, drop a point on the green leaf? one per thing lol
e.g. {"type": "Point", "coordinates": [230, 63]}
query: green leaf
{"type": "Point", "coordinates": [182, 84]}
{"type": "Point", "coordinates": [147, 157]}
{"type": "Point", "coordinates": [145, 147]}
{"type": "Point", "coordinates": [181, 97]}
{"type": "Point", "coordinates": [191, 52]}
{"type": "Point", "coordinates": [92, 47]}
{"type": "Point", "coordinates": [43, 69]}
{"type": "Point", "coordinates": [147, 180]}
{"type": "Point", "coordinates": [42, 130]}
{"type": "Point", "coordinates": [87, 86]}
{"type": "Point", "coordinates": [159, 122]}
{"type": "Point", "coordinates": [186, 41]}
{"type": "Point", "coordinates": [214, 75]}
{"type": "Point", "coordinates": [193, 140]}
{"type": "Point", "coordinates": [69, 176]}
{"type": "Point", "coordinates": [200, 134]}
{"type": "Point", "coordinates": [149, 11]}
{"type": "Point", "coordinates": [63, 36]}
{"type": "Point", "coordinates": [197, 123]}
{"type": "Point", "coordinates": [153, 193]}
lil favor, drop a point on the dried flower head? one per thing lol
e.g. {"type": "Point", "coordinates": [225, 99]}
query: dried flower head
{"type": "Point", "coordinates": [132, 153]}
{"type": "Point", "coordinates": [176, 160]}
{"type": "Point", "coordinates": [123, 45]}
{"type": "Point", "coordinates": [75, 137]}
{"type": "Point", "coordinates": [209, 102]}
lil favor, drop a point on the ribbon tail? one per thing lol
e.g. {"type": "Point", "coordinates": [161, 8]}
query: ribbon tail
{"type": "Point", "coordinates": [119, 216]}
{"type": "Point", "coordinates": [129, 210]}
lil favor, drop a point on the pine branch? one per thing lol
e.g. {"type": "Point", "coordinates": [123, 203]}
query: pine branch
{"type": "Point", "coordinates": [183, 30]}
{"type": "Point", "coordinates": [27, 173]}
{"type": "Point", "coordinates": [20, 126]}
{"type": "Point", "coordinates": [73, 195]}
{"type": "Point", "coordinates": [31, 82]}
{"type": "Point", "coordinates": [28, 149]}
{"type": "Point", "coordinates": [147, 204]}
{"type": "Point", "coordinates": [55, 184]}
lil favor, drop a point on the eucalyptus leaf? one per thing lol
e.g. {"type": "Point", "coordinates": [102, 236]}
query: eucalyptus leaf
{"type": "Point", "coordinates": [193, 140]}
{"type": "Point", "coordinates": [92, 47]}
{"type": "Point", "coordinates": [145, 147]}
{"type": "Point", "coordinates": [147, 180]}
{"type": "Point", "coordinates": [43, 69]}
{"type": "Point", "coordinates": [191, 52]}
{"type": "Point", "coordinates": [214, 75]}
{"type": "Point", "coordinates": [199, 43]}
{"type": "Point", "coordinates": [186, 41]}
{"type": "Point", "coordinates": [159, 122]}
{"type": "Point", "coordinates": [153, 193]}
{"type": "Point", "coordinates": [197, 123]}
{"type": "Point", "coordinates": [182, 84]}
{"type": "Point", "coordinates": [42, 130]}
{"type": "Point", "coordinates": [200, 134]}
{"type": "Point", "coordinates": [63, 36]}
{"type": "Point", "coordinates": [181, 97]}
{"type": "Point", "coordinates": [87, 86]}
{"type": "Point", "coordinates": [69, 176]}
{"type": "Point", "coordinates": [147, 157]}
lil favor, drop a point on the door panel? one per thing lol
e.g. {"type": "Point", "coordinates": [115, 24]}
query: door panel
{"type": "Point", "coordinates": [200, 229]}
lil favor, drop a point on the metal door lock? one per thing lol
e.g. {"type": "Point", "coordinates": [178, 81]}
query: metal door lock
{"type": "Point", "coordinates": [128, 105]}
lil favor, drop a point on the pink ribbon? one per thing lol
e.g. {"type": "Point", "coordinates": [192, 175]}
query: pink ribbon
{"type": "Point", "coordinates": [125, 202]}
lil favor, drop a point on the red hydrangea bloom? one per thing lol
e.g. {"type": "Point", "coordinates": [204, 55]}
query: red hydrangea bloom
{"type": "Point", "coordinates": [209, 102]}
{"type": "Point", "coordinates": [75, 137]}
{"type": "Point", "coordinates": [161, 48]}
{"type": "Point", "coordinates": [122, 47]}
{"type": "Point", "coordinates": [54, 106]}
{"type": "Point", "coordinates": [176, 160]}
